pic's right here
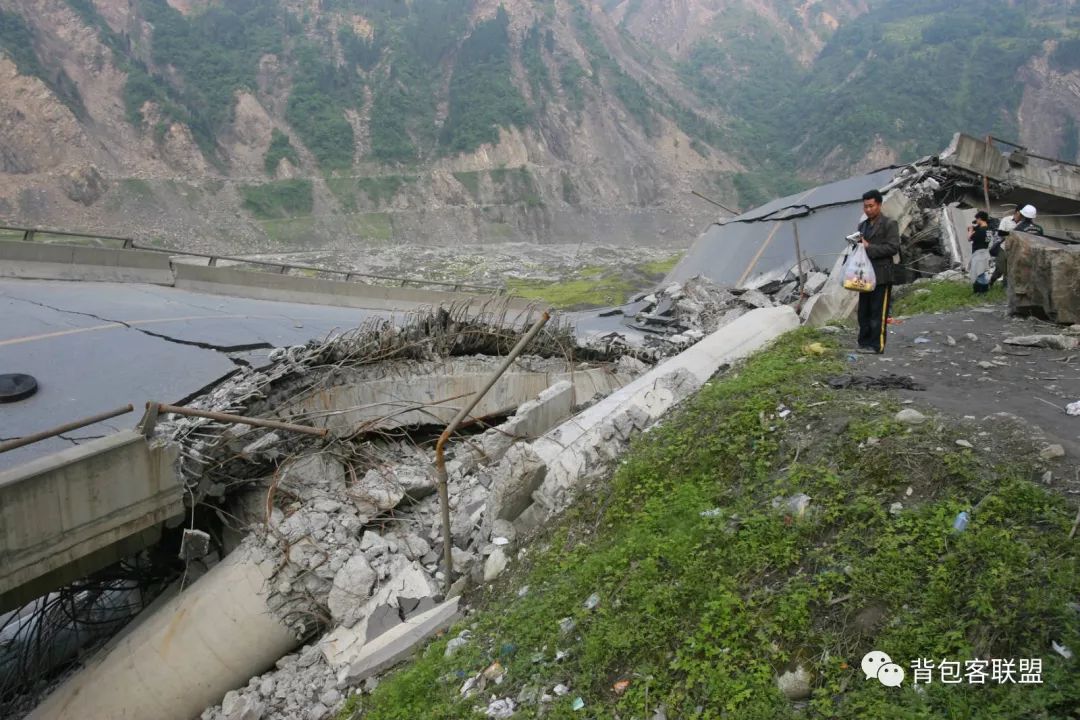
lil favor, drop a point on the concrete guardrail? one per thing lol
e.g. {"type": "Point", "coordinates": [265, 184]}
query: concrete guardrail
{"type": "Point", "coordinates": [74, 512]}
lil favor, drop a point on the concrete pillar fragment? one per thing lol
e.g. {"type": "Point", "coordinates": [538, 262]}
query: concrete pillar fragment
{"type": "Point", "coordinates": [185, 655]}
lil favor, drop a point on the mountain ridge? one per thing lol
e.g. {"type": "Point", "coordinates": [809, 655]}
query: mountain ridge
{"type": "Point", "coordinates": [460, 121]}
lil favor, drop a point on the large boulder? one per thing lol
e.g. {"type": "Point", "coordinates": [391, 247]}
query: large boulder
{"type": "Point", "coordinates": [1044, 278]}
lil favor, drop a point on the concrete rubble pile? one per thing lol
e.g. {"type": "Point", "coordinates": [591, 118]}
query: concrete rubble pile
{"type": "Point", "coordinates": [679, 314]}
{"type": "Point", "coordinates": [351, 527]}
{"type": "Point", "coordinates": [348, 531]}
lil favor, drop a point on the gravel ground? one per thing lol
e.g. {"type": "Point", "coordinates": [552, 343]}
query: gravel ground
{"type": "Point", "coordinates": [1033, 384]}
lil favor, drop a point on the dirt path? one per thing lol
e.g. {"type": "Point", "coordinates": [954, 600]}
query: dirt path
{"type": "Point", "coordinates": [1020, 381]}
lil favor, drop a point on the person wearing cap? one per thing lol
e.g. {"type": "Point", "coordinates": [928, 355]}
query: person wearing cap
{"type": "Point", "coordinates": [980, 252]}
{"type": "Point", "coordinates": [1022, 220]}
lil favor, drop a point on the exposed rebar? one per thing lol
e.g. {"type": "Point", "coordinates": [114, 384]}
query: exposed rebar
{"type": "Point", "coordinates": [226, 417]}
{"type": "Point", "coordinates": [440, 460]}
{"type": "Point", "coordinates": [44, 434]}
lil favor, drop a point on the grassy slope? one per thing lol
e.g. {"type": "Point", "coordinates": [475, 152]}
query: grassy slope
{"type": "Point", "coordinates": [943, 295]}
{"type": "Point", "coordinates": [700, 613]}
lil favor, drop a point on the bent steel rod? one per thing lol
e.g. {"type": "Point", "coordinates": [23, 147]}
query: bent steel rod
{"type": "Point", "coordinates": [440, 460]}
{"type": "Point", "coordinates": [226, 417]}
{"type": "Point", "coordinates": [27, 440]}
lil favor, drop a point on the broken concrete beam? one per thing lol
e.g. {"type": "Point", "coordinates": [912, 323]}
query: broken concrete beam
{"type": "Point", "coordinates": [399, 394]}
{"type": "Point", "coordinates": [580, 448]}
{"type": "Point", "coordinates": [186, 654]}
{"type": "Point", "coordinates": [395, 645]}
{"type": "Point", "coordinates": [1044, 278]}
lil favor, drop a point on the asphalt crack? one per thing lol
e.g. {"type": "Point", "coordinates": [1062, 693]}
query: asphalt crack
{"type": "Point", "coordinates": [224, 349]}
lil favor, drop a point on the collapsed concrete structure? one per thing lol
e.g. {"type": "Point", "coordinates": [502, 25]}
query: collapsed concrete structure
{"type": "Point", "coordinates": [323, 567]}
{"type": "Point", "coordinates": [790, 250]}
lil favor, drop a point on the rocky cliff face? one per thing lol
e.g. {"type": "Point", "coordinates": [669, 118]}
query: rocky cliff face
{"type": "Point", "coordinates": [579, 169]}
{"type": "Point", "coordinates": [280, 124]}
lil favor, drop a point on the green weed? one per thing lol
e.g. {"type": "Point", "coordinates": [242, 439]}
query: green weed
{"type": "Point", "coordinates": [710, 586]}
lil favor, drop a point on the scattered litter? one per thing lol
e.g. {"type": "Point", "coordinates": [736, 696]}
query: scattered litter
{"type": "Point", "coordinates": [895, 508]}
{"type": "Point", "coordinates": [972, 337]}
{"type": "Point", "coordinates": [782, 411]}
{"type": "Point", "coordinates": [814, 348]}
{"type": "Point", "coordinates": [869, 382]}
{"type": "Point", "coordinates": [500, 708]}
{"type": "Point", "coordinates": [964, 444]}
{"type": "Point", "coordinates": [620, 687]}
{"type": "Point", "coordinates": [1073, 408]}
{"type": "Point", "coordinates": [592, 602]}
{"type": "Point", "coordinates": [567, 625]}
{"type": "Point", "coordinates": [561, 655]}
{"type": "Point", "coordinates": [1062, 650]}
{"type": "Point", "coordinates": [523, 591]}
{"type": "Point", "coordinates": [960, 523]}
{"type": "Point", "coordinates": [500, 541]}
{"type": "Point", "coordinates": [921, 340]}
{"type": "Point", "coordinates": [560, 690]}
{"type": "Point", "coordinates": [495, 673]}
{"type": "Point", "coordinates": [469, 687]}
{"type": "Point", "coordinates": [715, 512]}
{"type": "Point", "coordinates": [950, 340]}
{"type": "Point", "coordinates": [579, 704]}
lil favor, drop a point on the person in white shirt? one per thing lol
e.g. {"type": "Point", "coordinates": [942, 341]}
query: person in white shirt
{"type": "Point", "coordinates": [1022, 220]}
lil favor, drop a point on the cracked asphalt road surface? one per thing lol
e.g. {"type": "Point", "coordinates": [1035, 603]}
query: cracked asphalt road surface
{"type": "Point", "coordinates": [98, 346]}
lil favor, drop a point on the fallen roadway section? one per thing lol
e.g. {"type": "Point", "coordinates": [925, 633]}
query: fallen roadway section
{"type": "Point", "coordinates": [362, 542]}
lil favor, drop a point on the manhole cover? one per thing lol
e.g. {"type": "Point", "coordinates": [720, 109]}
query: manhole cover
{"type": "Point", "coordinates": [16, 386]}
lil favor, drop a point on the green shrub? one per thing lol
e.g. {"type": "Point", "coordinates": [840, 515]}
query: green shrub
{"type": "Point", "coordinates": [278, 200]}
{"type": "Point", "coordinates": [280, 149]}
{"type": "Point", "coordinates": [482, 94]}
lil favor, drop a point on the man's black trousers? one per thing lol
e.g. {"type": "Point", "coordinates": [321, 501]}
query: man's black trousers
{"type": "Point", "coordinates": [873, 312]}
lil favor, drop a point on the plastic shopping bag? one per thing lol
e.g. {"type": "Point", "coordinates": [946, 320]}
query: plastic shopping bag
{"type": "Point", "coordinates": [859, 272]}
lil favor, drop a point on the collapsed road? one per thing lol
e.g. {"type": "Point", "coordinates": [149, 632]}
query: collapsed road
{"type": "Point", "coordinates": [311, 565]}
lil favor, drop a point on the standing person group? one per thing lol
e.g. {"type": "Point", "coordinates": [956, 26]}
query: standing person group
{"type": "Point", "coordinates": [880, 236]}
{"type": "Point", "coordinates": [1022, 220]}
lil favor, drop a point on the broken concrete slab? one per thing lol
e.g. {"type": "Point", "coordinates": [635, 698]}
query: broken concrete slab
{"type": "Point", "coordinates": [375, 492]}
{"type": "Point", "coordinates": [350, 591]}
{"type": "Point", "coordinates": [531, 420]}
{"type": "Point", "coordinates": [519, 475]}
{"type": "Point", "coordinates": [395, 645]}
{"type": "Point", "coordinates": [317, 470]}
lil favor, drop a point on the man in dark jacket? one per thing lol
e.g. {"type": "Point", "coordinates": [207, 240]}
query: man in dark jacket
{"type": "Point", "coordinates": [881, 238]}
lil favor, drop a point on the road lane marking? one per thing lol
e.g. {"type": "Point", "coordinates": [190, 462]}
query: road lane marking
{"type": "Point", "coordinates": [109, 326]}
